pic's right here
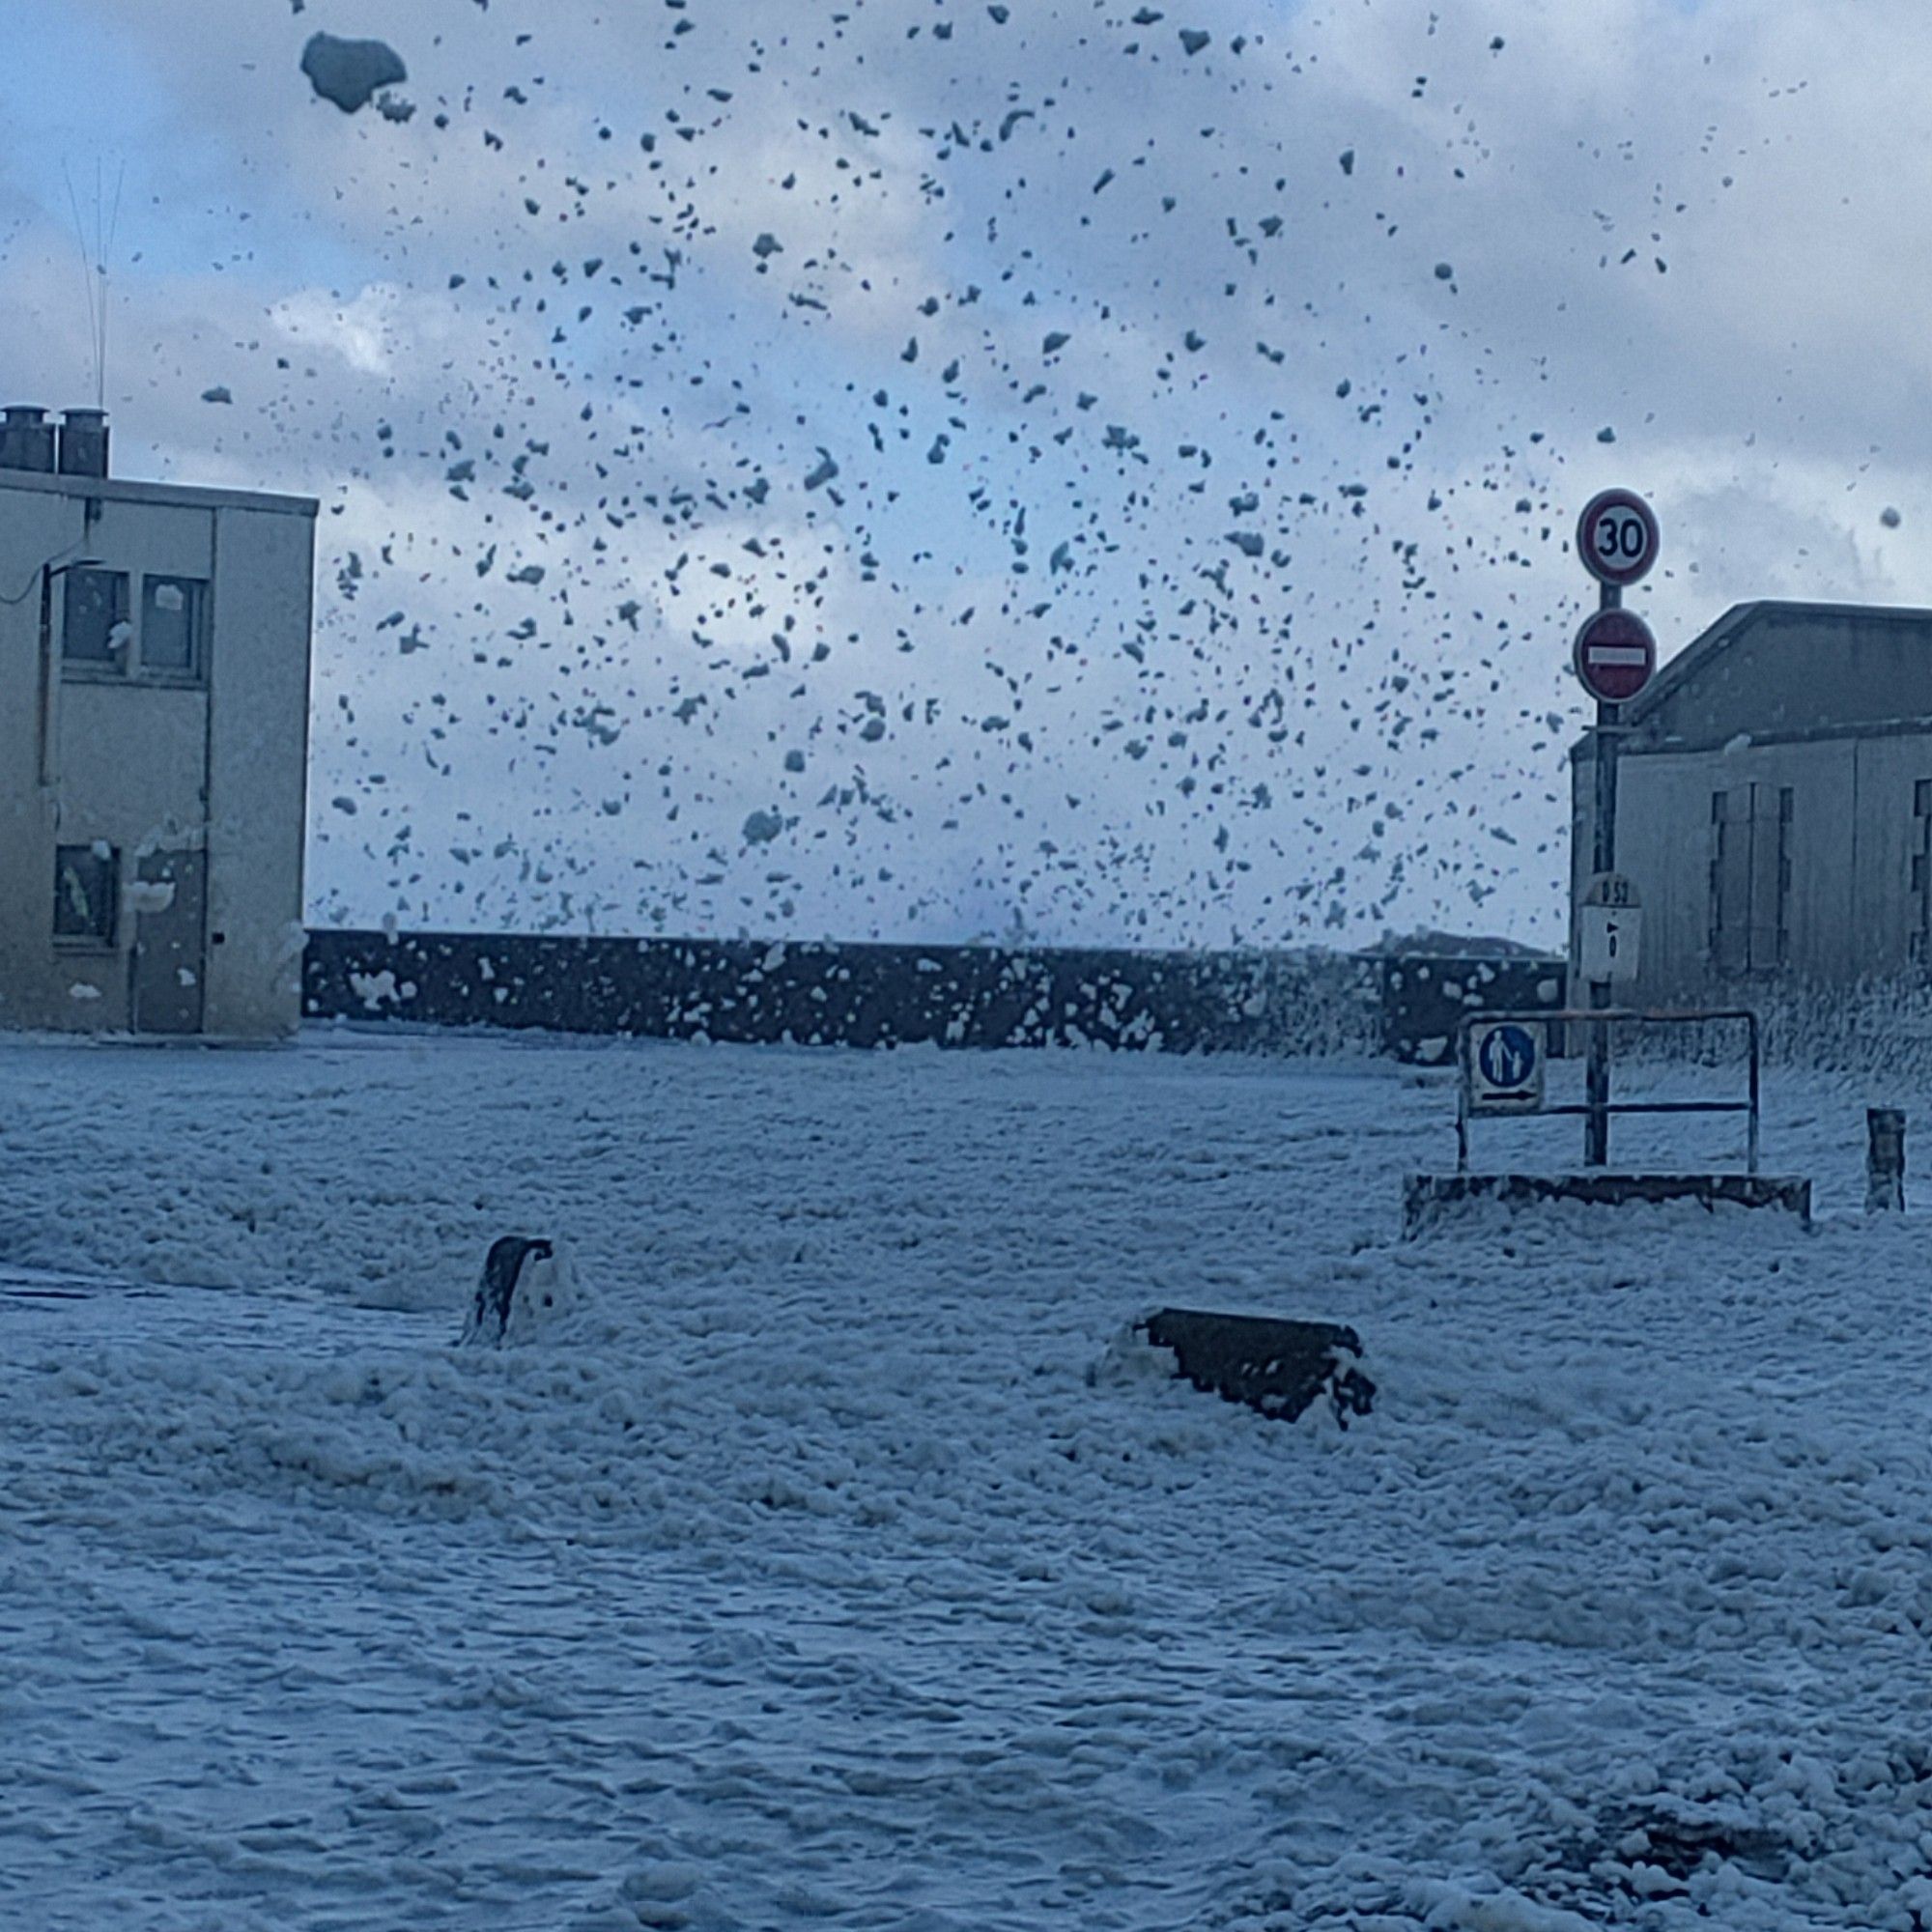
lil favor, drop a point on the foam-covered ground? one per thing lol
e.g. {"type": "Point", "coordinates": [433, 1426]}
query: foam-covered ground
{"type": "Point", "coordinates": [834, 1561]}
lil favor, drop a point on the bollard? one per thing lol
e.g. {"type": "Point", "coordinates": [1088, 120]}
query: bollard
{"type": "Point", "coordinates": [1885, 1160]}
{"type": "Point", "coordinates": [496, 1292]}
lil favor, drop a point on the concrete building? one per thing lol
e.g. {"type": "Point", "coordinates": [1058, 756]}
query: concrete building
{"type": "Point", "coordinates": [154, 741]}
{"type": "Point", "coordinates": [1775, 802]}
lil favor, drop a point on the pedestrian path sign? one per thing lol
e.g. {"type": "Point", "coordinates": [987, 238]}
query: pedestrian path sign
{"type": "Point", "coordinates": [1506, 1062]}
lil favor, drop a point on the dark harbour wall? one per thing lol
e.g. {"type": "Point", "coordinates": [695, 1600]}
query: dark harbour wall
{"type": "Point", "coordinates": [1421, 996]}
{"type": "Point", "coordinates": [832, 994]}
{"type": "Point", "coordinates": [859, 996]}
{"type": "Point", "coordinates": [827, 994]}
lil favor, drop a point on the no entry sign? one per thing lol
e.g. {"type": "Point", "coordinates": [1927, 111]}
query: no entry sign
{"type": "Point", "coordinates": [1616, 537]}
{"type": "Point", "coordinates": [1615, 656]}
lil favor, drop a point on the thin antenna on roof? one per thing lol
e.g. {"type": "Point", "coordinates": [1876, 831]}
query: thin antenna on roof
{"type": "Point", "coordinates": [94, 265]}
{"type": "Point", "coordinates": [86, 279]}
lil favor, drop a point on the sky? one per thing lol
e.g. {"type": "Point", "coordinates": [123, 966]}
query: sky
{"type": "Point", "coordinates": [912, 470]}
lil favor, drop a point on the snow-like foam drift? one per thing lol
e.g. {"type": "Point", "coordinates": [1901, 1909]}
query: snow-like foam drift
{"type": "Point", "coordinates": [351, 73]}
{"type": "Point", "coordinates": [802, 1551]}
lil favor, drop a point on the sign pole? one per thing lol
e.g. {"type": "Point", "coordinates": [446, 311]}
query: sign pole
{"type": "Point", "coordinates": [1614, 657]}
{"type": "Point", "coordinates": [1597, 1069]}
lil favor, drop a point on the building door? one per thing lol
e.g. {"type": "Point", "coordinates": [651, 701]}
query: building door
{"type": "Point", "coordinates": [171, 915]}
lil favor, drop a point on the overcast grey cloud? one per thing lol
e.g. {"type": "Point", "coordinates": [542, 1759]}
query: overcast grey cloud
{"type": "Point", "coordinates": [926, 470]}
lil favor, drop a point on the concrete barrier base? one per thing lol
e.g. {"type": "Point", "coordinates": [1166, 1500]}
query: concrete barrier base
{"type": "Point", "coordinates": [1427, 1199]}
{"type": "Point", "coordinates": [1278, 1367]}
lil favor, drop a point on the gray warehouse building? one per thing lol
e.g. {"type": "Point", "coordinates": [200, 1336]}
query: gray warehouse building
{"type": "Point", "coordinates": [1775, 802]}
{"type": "Point", "coordinates": [155, 657]}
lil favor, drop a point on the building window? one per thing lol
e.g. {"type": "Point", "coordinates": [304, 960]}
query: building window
{"type": "Point", "coordinates": [172, 610]}
{"type": "Point", "coordinates": [1921, 870]}
{"type": "Point", "coordinates": [1751, 854]}
{"type": "Point", "coordinates": [94, 631]}
{"type": "Point", "coordinates": [100, 639]}
{"type": "Point", "coordinates": [1785, 808]}
{"type": "Point", "coordinates": [87, 894]}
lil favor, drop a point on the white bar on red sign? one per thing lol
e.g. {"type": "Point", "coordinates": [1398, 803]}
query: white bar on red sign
{"type": "Point", "coordinates": [1618, 654]}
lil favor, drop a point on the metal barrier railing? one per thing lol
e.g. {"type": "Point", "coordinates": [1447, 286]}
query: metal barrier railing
{"type": "Point", "coordinates": [1599, 1111]}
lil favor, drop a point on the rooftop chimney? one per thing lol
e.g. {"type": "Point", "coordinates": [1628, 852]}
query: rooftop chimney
{"type": "Point", "coordinates": [26, 439]}
{"type": "Point", "coordinates": [83, 442]}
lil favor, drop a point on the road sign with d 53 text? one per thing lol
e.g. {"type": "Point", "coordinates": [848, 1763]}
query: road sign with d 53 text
{"type": "Point", "coordinates": [1610, 923]}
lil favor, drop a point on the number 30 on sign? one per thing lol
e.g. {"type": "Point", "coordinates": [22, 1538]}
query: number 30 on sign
{"type": "Point", "coordinates": [1616, 537]}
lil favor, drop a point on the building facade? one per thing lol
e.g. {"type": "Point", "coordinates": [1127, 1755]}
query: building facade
{"type": "Point", "coordinates": [154, 742]}
{"type": "Point", "coordinates": [1775, 802]}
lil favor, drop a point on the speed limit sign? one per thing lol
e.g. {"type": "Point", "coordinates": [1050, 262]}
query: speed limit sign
{"type": "Point", "coordinates": [1616, 537]}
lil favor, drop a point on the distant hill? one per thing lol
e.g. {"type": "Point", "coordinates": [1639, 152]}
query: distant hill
{"type": "Point", "coordinates": [1449, 946]}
